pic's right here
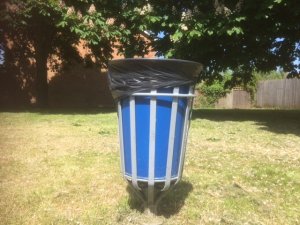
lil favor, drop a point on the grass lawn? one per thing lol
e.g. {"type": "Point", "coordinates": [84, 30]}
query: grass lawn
{"type": "Point", "coordinates": [242, 167]}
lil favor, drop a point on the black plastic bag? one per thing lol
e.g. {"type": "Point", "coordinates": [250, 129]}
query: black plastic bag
{"type": "Point", "coordinates": [127, 76]}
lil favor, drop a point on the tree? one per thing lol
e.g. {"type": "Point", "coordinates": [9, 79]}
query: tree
{"type": "Point", "coordinates": [211, 93]}
{"type": "Point", "coordinates": [243, 36]}
{"type": "Point", "coordinates": [45, 27]}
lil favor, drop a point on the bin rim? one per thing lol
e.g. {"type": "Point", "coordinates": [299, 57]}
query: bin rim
{"type": "Point", "coordinates": [131, 75]}
{"type": "Point", "coordinates": [155, 59]}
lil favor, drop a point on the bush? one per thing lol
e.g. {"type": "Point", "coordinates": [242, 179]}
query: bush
{"type": "Point", "coordinates": [210, 93]}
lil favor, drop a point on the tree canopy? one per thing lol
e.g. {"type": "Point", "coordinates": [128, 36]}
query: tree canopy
{"type": "Point", "coordinates": [243, 36]}
{"type": "Point", "coordinates": [42, 28]}
{"type": "Point", "coordinates": [236, 35]}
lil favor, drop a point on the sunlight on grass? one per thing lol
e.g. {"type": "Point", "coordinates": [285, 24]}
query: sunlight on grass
{"type": "Point", "coordinates": [242, 167]}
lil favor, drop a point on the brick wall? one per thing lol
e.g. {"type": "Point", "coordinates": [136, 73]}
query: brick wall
{"type": "Point", "coordinates": [77, 86]}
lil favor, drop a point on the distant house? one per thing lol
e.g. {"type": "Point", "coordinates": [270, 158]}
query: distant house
{"type": "Point", "coordinates": [77, 86]}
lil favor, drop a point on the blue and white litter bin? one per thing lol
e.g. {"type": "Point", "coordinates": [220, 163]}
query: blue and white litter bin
{"type": "Point", "coordinates": [154, 99]}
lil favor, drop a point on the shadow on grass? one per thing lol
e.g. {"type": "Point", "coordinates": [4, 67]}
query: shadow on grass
{"type": "Point", "coordinates": [277, 121]}
{"type": "Point", "coordinates": [64, 111]}
{"type": "Point", "coordinates": [169, 205]}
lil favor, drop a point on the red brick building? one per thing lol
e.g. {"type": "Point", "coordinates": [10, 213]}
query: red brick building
{"type": "Point", "coordinates": [77, 86]}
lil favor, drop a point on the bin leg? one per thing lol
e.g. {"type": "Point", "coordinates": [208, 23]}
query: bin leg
{"type": "Point", "coordinates": [148, 197]}
{"type": "Point", "coordinates": [151, 206]}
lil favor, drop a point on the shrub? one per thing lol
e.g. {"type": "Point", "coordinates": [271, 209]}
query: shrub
{"type": "Point", "coordinates": [210, 93]}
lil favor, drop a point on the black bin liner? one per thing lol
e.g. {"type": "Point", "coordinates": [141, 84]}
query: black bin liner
{"type": "Point", "coordinates": [128, 76]}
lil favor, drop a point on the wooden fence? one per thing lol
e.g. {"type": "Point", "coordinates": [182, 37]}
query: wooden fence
{"type": "Point", "coordinates": [283, 94]}
{"type": "Point", "coordinates": [236, 99]}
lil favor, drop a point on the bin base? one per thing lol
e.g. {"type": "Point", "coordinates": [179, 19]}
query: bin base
{"type": "Point", "coordinates": [150, 196]}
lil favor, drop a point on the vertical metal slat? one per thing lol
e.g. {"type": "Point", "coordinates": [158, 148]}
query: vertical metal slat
{"type": "Point", "coordinates": [121, 137]}
{"type": "Point", "coordinates": [185, 134]}
{"type": "Point", "coordinates": [133, 143]}
{"type": "Point", "coordinates": [152, 141]}
{"type": "Point", "coordinates": [171, 140]}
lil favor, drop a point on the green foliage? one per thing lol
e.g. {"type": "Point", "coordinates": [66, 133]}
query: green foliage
{"type": "Point", "coordinates": [273, 75]}
{"type": "Point", "coordinates": [210, 93]}
{"type": "Point", "coordinates": [240, 36]}
{"type": "Point", "coordinates": [41, 28]}
{"type": "Point", "coordinates": [56, 26]}
{"type": "Point", "coordinates": [243, 36]}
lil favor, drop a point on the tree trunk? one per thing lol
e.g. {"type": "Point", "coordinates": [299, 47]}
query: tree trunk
{"type": "Point", "coordinates": [41, 77]}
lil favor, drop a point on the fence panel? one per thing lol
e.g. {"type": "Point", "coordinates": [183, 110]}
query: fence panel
{"type": "Point", "coordinates": [283, 94]}
{"type": "Point", "coordinates": [236, 99]}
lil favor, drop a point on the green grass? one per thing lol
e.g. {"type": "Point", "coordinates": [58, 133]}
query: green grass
{"type": "Point", "coordinates": [242, 167]}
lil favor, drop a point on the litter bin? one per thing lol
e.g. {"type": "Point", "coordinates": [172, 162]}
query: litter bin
{"type": "Point", "coordinates": [154, 98]}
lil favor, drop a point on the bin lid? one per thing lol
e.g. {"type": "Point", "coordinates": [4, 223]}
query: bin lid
{"type": "Point", "coordinates": [131, 75]}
